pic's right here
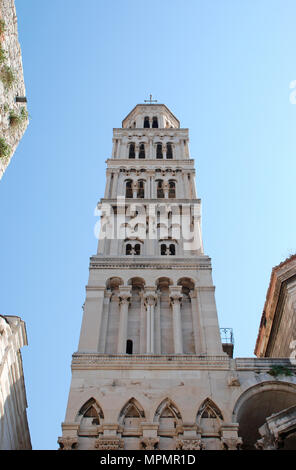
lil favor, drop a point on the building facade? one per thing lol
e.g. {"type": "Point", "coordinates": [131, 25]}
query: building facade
{"type": "Point", "coordinates": [14, 430]}
{"type": "Point", "coordinates": [277, 331]}
{"type": "Point", "coordinates": [13, 102]}
{"type": "Point", "coordinates": [150, 371]}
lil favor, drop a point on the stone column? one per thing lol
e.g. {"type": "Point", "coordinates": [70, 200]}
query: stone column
{"type": "Point", "coordinates": [105, 320]}
{"type": "Point", "coordinates": [164, 151]}
{"type": "Point", "coordinates": [197, 333]}
{"type": "Point", "coordinates": [135, 189]}
{"type": "Point", "coordinates": [150, 301]}
{"type": "Point", "coordinates": [124, 299]}
{"type": "Point", "coordinates": [176, 297]}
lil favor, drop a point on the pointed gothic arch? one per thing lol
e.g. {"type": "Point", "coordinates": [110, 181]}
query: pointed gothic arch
{"type": "Point", "coordinates": [209, 410]}
{"type": "Point", "coordinates": [90, 415]}
{"type": "Point", "coordinates": [167, 406]}
{"type": "Point", "coordinates": [132, 409]}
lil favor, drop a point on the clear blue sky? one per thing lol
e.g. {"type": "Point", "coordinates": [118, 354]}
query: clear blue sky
{"type": "Point", "coordinates": [223, 67]}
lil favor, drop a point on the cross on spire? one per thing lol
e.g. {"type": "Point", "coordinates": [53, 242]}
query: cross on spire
{"type": "Point", "coordinates": [150, 101]}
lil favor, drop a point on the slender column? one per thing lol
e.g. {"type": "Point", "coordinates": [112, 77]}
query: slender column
{"type": "Point", "coordinates": [105, 321]}
{"type": "Point", "coordinates": [124, 299]}
{"type": "Point", "coordinates": [150, 149]}
{"type": "Point", "coordinates": [137, 151]}
{"type": "Point", "coordinates": [176, 297]}
{"type": "Point", "coordinates": [150, 300]}
{"type": "Point", "coordinates": [135, 189]}
{"type": "Point", "coordinates": [195, 322]}
{"type": "Point", "coordinates": [164, 151]}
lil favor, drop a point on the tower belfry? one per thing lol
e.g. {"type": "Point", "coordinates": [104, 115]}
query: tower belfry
{"type": "Point", "coordinates": [150, 371]}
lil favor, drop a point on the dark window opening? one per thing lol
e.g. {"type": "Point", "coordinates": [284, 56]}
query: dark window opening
{"type": "Point", "coordinates": [137, 249]}
{"type": "Point", "coordinates": [129, 347]}
{"type": "Point", "coordinates": [142, 151]}
{"type": "Point", "coordinates": [169, 151]}
{"type": "Point", "coordinates": [160, 193]}
{"type": "Point", "coordinates": [172, 189]}
{"type": "Point", "coordinates": [163, 250]}
{"type": "Point", "coordinates": [140, 193]}
{"type": "Point", "coordinates": [159, 151]}
{"type": "Point", "coordinates": [128, 249]}
{"type": "Point", "coordinates": [131, 153]}
{"type": "Point", "coordinates": [128, 190]}
{"type": "Point", "coordinates": [155, 122]}
{"type": "Point", "coordinates": [172, 249]}
{"type": "Point", "coordinates": [146, 122]}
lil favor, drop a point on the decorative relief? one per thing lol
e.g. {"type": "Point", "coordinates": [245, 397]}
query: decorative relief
{"type": "Point", "coordinates": [149, 443]}
{"type": "Point", "coordinates": [231, 443]}
{"type": "Point", "coordinates": [67, 443]}
{"type": "Point", "coordinates": [189, 444]}
{"type": "Point", "coordinates": [109, 443]}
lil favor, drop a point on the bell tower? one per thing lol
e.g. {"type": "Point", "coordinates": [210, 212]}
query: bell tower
{"type": "Point", "coordinates": [149, 314]}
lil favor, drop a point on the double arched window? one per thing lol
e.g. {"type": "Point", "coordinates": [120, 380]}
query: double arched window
{"type": "Point", "coordinates": [167, 249]}
{"type": "Point", "coordinates": [133, 249]}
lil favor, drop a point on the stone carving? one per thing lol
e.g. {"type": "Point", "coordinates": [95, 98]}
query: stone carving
{"type": "Point", "coordinates": [233, 380]}
{"type": "Point", "coordinates": [67, 443]}
{"type": "Point", "coordinates": [231, 443]}
{"type": "Point", "coordinates": [109, 443]}
{"type": "Point", "coordinates": [189, 444]}
{"type": "Point", "coordinates": [149, 443]}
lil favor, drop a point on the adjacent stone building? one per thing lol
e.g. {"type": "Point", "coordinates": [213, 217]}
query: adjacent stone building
{"type": "Point", "coordinates": [13, 107]}
{"type": "Point", "coordinates": [14, 431]}
{"type": "Point", "coordinates": [150, 371]}
{"type": "Point", "coordinates": [277, 332]}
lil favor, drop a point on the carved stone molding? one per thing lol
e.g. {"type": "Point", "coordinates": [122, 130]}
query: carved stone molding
{"type": "Point", "coordinates": [231, 443]}
{"type": "Point", "coordinates": [67, 443]}
{"type": "Point", "coordinates": [149, 443]}
{"type": "Point", "coordinates": [109, 443]}
{"type": "Point", "coordinates": [189, 444]}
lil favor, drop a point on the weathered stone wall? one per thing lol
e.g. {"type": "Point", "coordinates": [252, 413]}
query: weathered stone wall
{"type": "Point", "coordinates": [13, 112]}
{"type": "Point", "coordinates": [14, 430]}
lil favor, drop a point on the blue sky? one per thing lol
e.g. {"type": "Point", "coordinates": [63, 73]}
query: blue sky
{"type": "Point", "coordinates": [224, 68]}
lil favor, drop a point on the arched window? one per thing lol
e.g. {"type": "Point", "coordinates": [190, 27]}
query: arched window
{"type": "Point", "coordinates": [129, 347]}
{"type": "Point", "coordinates": [154, 122]}
{"type": "Point", "coordinates": [131, 153]}
{"type": "Point", "coordinates": [169, 150]}
{"type": "Point", "coordinates": [172, 249]}
{"type": "Point", "coordinates": [128, 189]}
{"type": "Point", "coordinates": [163, 249]}
{"type": "Point", "coordinates": [146, 121]}
{"type": "Point", "coordinates": [160, 192]}
{"type": "Point", "coordinates": [140, 192]}
{"type": "Point", "coordinates": [142, 151]}
{"type": "Point", "coordinates": [137, 249]}
{"type": "Point", "coordinates": [159, 151]}
{"type": "Point", "coordinates": [172, 189]}
{"type": "Point", "coordinates": [128, 249]}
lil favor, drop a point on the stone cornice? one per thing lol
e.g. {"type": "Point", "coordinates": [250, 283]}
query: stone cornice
{"type": "Point", "coordinates": [109, 262]}
{"type": "Point", "coordinates": [147, 361]}
{"type": "Point", "coordinates": [97, 361]}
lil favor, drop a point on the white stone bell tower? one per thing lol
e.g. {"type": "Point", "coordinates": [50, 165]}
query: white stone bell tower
{"type": "Point", "coordinates": [150, 310]}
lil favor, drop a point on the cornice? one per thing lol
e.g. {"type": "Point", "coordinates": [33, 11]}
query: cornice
{"type": "Point", "coordinates": [108, 262]}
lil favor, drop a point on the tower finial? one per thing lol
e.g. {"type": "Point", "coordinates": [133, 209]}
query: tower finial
{"type": "Point", "coordinates": [150, 101]}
